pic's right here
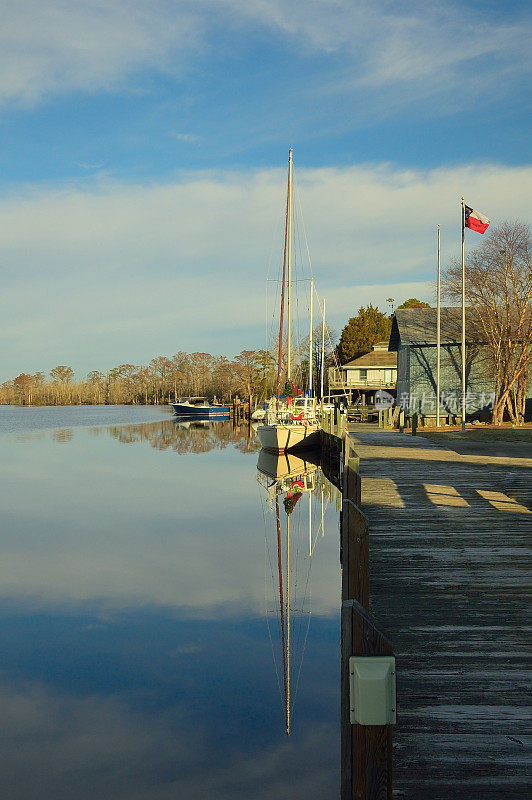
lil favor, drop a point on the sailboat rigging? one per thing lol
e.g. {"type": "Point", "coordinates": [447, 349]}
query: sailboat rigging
{"type": "Point", "coordinates": [283, 429]}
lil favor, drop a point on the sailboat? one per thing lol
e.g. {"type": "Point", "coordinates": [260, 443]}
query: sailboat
{"type": "Point", "coordinates": [283, 429]}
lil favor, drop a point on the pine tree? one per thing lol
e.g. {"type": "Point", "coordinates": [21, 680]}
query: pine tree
{"type": "Point", "coordinates": [362, 331]}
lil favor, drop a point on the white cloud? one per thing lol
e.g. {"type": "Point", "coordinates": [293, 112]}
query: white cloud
{"type": "Point", "coordinates": [139, 270]}
{"type": "Point", "coordinates": [59, 46]}
{"type": "Point", "coordinates": [188, 138]}
{"type": "Point", "coordinates": [161, 551]}
{"type": "Point", "coordinates": [387, 44]}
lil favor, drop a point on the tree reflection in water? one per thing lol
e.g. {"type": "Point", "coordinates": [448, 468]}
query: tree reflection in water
{"type": "Point", "coordinates": [185, 437]}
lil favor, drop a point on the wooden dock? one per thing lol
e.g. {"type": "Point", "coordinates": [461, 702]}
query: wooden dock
{"type": "Point", "coordinates": [449, 540]}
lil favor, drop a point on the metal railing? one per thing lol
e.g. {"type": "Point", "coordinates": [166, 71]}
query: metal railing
{"type": "Point", "coordinates": [360, 383]}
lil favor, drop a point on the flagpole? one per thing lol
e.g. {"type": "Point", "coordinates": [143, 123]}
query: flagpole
{"type": "Point", "coordinates": [463, 321]}
{"type": "Point", "coordinates": [322, 351]}
{"type": "Point", "coordinates": [310, 339]}
{"type": "Point", "coordinates": [438, 337]}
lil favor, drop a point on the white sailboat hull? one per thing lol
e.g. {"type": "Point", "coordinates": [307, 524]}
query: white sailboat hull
{"type": "Point", "coordinates": [280, 438]}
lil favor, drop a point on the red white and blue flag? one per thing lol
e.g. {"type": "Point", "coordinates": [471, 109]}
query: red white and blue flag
{"type": "Point", "coordinates": [475, 220]}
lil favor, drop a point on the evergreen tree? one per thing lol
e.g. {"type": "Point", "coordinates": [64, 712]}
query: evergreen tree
{"type": "Point", "coordinates": [414, 303]}
{"type": "Point", "coordinates": [361, 332]}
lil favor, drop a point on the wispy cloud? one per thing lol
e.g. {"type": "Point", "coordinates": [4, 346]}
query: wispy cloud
{"type": "Point", "coordinates": [60, 46]}
{"type": "Point", "coordinates": [396, 41]}
{"type": "Point", "coordinates": [90, 166]}
{"type": "Point", "coordinates": [187, 138]}
{"type": "Point", "coordinates": [125, 262]}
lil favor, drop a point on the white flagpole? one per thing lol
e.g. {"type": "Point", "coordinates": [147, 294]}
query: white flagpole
{"type": "Point", "coordinates": [463, 321]}
{"type": "Point", "coordinates": [322, 349]}
{"type": "Point", "coordinates": [438, 342]}
{"type": "Point", "coordinates": [310, 339]}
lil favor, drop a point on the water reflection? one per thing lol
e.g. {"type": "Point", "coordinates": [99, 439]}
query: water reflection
{"type": "Point", "coordinates": [189, 436]}
{"type": "Point", "coordinates": [287, 479]}
{"type": "Point", "coordinates": [62, 435]}
{"type": "Point", "coordinates": [135, 659]}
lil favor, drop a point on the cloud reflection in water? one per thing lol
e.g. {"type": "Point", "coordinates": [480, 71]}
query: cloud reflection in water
{"type": "Point", "coordinates": [136, 658]}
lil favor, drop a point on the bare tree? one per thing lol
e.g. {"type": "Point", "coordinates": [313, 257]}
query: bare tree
{"type": "Point", "coordinates": [62, 377]}
{"type": "Point", "coordinates": [200, 370]}
{"type": "Point", "coordinates": [179, 372]}
{"type": "Point", "coordinates": [499, 291]}
{"type": "Point", "coordinates": [24, 385]}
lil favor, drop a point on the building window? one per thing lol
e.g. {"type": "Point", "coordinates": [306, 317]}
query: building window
{"type": "Point", "coordinates": [363, 374]}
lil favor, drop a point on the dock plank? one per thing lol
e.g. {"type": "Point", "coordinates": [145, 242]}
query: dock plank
{"type": "Point", "coordinates": [449, 580]}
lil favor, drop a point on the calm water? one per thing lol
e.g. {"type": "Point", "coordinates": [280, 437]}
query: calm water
{"type": "Point", "coordinates": [140, 625]}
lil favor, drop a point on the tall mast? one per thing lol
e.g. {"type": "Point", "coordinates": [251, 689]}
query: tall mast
{"type": "Point", "coordinates": [438, 336]}
{"type": "Point", "coordinates": [281, 317]}
{"type": "Point", "coordinates": [322, 348]}
{"type": "Point", "coordinates": [463, 321]}
{"type": "Point", "coordinates": [289, 287]}
{"type": "Point", "coordinates": [310, 339]}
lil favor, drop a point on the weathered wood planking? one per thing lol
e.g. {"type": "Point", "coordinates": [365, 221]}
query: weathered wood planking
{"type": "Point", "coordinates": [450, 583]}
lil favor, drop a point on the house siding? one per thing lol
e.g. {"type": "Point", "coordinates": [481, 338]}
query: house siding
{"type": "Point", "coordinates": [413, 337]}
{"type": "Point", "coordinates": [403, 371]}
{"type": "Point", "coordinates": [422, 375]}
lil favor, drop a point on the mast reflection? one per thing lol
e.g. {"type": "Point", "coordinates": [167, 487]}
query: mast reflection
{"type": "Point", "coordinates": [286, 478]}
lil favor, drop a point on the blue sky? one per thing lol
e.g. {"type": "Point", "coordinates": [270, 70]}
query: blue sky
{"type": "Point", "coordinates": [144, 150]}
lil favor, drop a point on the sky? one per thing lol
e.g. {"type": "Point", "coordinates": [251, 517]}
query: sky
{"type": "Point", "coordinates": [143, 162]}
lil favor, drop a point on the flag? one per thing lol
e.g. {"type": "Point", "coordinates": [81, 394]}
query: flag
{"type": "Point", "coordinates": [475, 220]}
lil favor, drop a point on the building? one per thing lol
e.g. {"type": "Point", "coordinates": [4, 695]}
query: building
{"type": "Point", "coordinates": [363, 376]}
{"type": "Point", "coordinates": [413, 338]}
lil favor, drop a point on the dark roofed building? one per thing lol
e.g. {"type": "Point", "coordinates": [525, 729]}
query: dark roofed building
{"type": "Point", "coordinates": [417, 326]}
{"type": "Point", "coordinates": [413, 336]}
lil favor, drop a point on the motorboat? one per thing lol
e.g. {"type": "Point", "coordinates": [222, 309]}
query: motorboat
{"type": "Point", "coordinates": [200, 407]}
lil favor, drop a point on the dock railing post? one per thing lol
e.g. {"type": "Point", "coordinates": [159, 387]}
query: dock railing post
{"type": "Point", "coordinates": [366, 750]}
{"type": "Point", "coordinates": [366, 753]}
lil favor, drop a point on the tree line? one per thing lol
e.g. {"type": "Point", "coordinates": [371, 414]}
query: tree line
{"type": "Point", "coordinates": [165, 378]}
{"type": "Point", "coordinates": [162, 380]}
